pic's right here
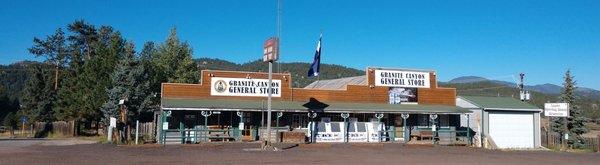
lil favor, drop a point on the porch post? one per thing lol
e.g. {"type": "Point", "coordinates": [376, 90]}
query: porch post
{"type": "Point", "coordinates": [279, 115]}
{"type": "Point", "coordinates": [163, 131]}
{"type": "Point", "coordinates": [405, 128]}
{"type": "Point", "coordinates": [312, 116]}
{"type": "Point", "coordinates": [434, 129]}
{"type": "Point", "coordinates": [468, 129]}
{"type": "Point", "coordinates": [182, 131]}
{"type": "Point", "coordinates": [379, 125]}
{"type": "Point", "coordinates": [240, 125]}
{"type": "Point", "coordinates": [205, 129]}
{"type": "Point", "coordinates": [345, 116]}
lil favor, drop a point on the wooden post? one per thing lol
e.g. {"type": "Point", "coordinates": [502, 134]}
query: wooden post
{"type": "Point", "coordinates": [563, 137]}
{"type": "Point", "coordinates": [23, 128]}
{"type": "Point", "coordinates": [598, 143]}
{"type": "Point", "coordinates": [137, 131]}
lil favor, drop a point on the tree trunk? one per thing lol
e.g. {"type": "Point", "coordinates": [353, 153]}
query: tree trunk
{"type": "Point", "coordinates": [56, 78]}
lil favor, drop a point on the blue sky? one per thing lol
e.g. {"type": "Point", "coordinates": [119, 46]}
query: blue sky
{"type": "Point", "coordinates": [492, 39]}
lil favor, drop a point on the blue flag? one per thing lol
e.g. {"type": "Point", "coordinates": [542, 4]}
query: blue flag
{"type": "Point", "coordinates": [316, 64]}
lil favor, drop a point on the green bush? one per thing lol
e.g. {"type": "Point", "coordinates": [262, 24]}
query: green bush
{"type": "Point", "coordinates": [10, 120]}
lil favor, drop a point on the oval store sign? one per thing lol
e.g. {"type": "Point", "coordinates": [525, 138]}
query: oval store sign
{"type": "Point", "coordinates": [396, 78]}
{"type": "Point", "coordinates": [244, 87]}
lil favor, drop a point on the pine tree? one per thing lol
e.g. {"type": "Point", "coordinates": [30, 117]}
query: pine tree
{"type": "Point", "coordinates": [123, 83]}
{"type": "Point", "coordinates": [174, 60]}
{"type": "Point", "coordinates": [147, 85]}
{"type": "Point", "coordinates": [39, 96]}
{"type": "Point", "coordinates": [576, 121]}
{"type": "Point", "coordinates": [11, 121]}
{"type": "Point", "coordinates": [55, 51]}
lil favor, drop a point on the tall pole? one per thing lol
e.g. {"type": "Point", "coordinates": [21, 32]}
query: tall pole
{"type": "Point", "coordinates": [269, 86]}
{"type": "Point", "coordinates": [137, 132]}
{"type": "Point", "coordinates": [268, 142]}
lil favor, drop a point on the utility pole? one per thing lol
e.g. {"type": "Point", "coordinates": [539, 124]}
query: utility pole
{"type": "Point", "coordinates": [271, 54]}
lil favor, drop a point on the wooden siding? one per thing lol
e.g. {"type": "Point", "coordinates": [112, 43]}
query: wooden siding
{"type": "Point", "coordinates": [354, 93]}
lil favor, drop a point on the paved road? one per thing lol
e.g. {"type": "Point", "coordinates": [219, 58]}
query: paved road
{"type": "Point", "coordinates": [237, 153]}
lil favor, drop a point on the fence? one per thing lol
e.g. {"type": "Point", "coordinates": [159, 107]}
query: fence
{"type": "Point", "coordinates": [552, 140]}
{"type": "Point", "coordinates": [592, 143]}
{"type": "Point", "coordinates": [57, 128]}
{"type": "Point", "coordinates": [147, 131]}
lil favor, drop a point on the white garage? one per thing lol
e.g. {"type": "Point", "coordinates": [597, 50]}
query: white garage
{"type": "Point", "coordinates": [503, 122]}
{"type": "Point", "coordinates": [512, 130]}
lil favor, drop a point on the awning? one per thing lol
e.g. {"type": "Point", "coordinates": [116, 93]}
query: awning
{"type": "Point", "coordinates": [312, 105]}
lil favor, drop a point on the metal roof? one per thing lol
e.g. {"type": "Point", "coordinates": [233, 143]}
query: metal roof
{"type": "Point", "coordinates": [500, 103]}
{"type": "Point", "coordinates": [296, 106]}
{"type": "Point", "coordinates": [338, 84]}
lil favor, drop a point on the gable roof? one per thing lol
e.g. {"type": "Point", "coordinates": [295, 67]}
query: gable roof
{"type": "Point", "coordinates": [500, 103]}
{"type": "Point", "coordinates": [338, 84]}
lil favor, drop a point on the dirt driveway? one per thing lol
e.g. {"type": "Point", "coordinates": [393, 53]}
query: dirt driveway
{"type": "Point", "coordinates": [238, 153]}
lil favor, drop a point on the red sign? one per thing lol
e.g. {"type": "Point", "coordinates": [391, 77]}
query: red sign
{"type": "Point", "coordinates": [271, 50]}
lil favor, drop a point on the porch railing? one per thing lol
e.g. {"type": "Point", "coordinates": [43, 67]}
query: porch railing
{"type": "Point", "coordinates": [200, 134]}
{"type": "Point", "coordinates": [448, 135]}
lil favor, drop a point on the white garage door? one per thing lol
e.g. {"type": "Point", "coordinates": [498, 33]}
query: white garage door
{"type": "Point", "coordinates": [510, 130]}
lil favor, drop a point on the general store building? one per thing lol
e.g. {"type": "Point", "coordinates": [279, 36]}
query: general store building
{"type": "Point", "coordinates": [384, 105]}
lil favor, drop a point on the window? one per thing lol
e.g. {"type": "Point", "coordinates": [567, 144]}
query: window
{"type": "Point", "coordinates": [444, 121]}
{"type": "Point", "coordinates": [335, 127]}
{"type": "Point", "coordinates": [423, 121]}
{"type": "Point", "coordinates": [361, 127]}
{"type": "Point", "coordinates": [321, 127]}
{"type": "Point", "coordinates": [351, 127]}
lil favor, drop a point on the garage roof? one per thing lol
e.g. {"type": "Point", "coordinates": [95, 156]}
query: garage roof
{"type": "Point", "coordinates": [297, 106]}
{"type": "Point", "coordinates": [500, 103]}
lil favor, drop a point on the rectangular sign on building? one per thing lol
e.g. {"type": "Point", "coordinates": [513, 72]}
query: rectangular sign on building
{"type": "Point", "coordinates": [397, 78]}
{"type": "Point", "coordinates": [221, 86]}
{"type": "Point", "coordinates": [556, 109]}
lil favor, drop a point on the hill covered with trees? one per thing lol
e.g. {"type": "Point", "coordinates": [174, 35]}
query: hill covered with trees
{"type": "Point", "coordinates": [298, 70]}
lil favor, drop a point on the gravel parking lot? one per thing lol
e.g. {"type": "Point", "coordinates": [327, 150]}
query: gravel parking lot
{"type": "Point", "coordinates": [38, 152]}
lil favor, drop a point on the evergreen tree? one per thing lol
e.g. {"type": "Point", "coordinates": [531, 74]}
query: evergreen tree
{"type": "Point", "coordinates": [75, 94]}
{"type": "Point", "coordinates": [55, 51]}
{"type": "Point", "coordinates": [147, 85]}
{"type": "Point", "coordinates": [123, 80]}
{"type": "Point", "coordinates": [38, 96]}
{"type": "Point", "coordinates": [576, 121]}
{"type": "Point", "coordinates": [11, 121]}
{"type": "Point", "coordinates": [174, 61]}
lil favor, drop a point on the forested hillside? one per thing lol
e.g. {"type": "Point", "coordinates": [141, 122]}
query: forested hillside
{"type": "Point", "coordinates": [12, 82]}
{"type": "Point", "coordinates": [298, 70]}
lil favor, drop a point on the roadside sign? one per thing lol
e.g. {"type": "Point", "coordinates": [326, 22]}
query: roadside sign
{"type": "Point", "coordinates": [165, 125]}
{"type": "Point", "coordinates": [556, 109]}
{"type": "Point", "coordinates": [23, 119]}
{"type": "Point", "coordinates": [271, 50]}
{"type": "Point", "coordinates": [113, 122]}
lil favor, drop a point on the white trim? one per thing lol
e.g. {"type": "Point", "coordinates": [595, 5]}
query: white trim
{"type": "Point", "coordinates": [513, 109]}
{"type": "Point", "coordinates": [328, 111]}
{"type": "Point", "coordinates": [400, 69]}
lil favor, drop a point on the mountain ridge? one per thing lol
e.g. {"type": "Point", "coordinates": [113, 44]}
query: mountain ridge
{"type": "Point", "coordinates": [546, 88]}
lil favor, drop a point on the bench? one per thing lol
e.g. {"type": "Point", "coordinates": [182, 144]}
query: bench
{"type": "Point", "coordinates": [421, 133]}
